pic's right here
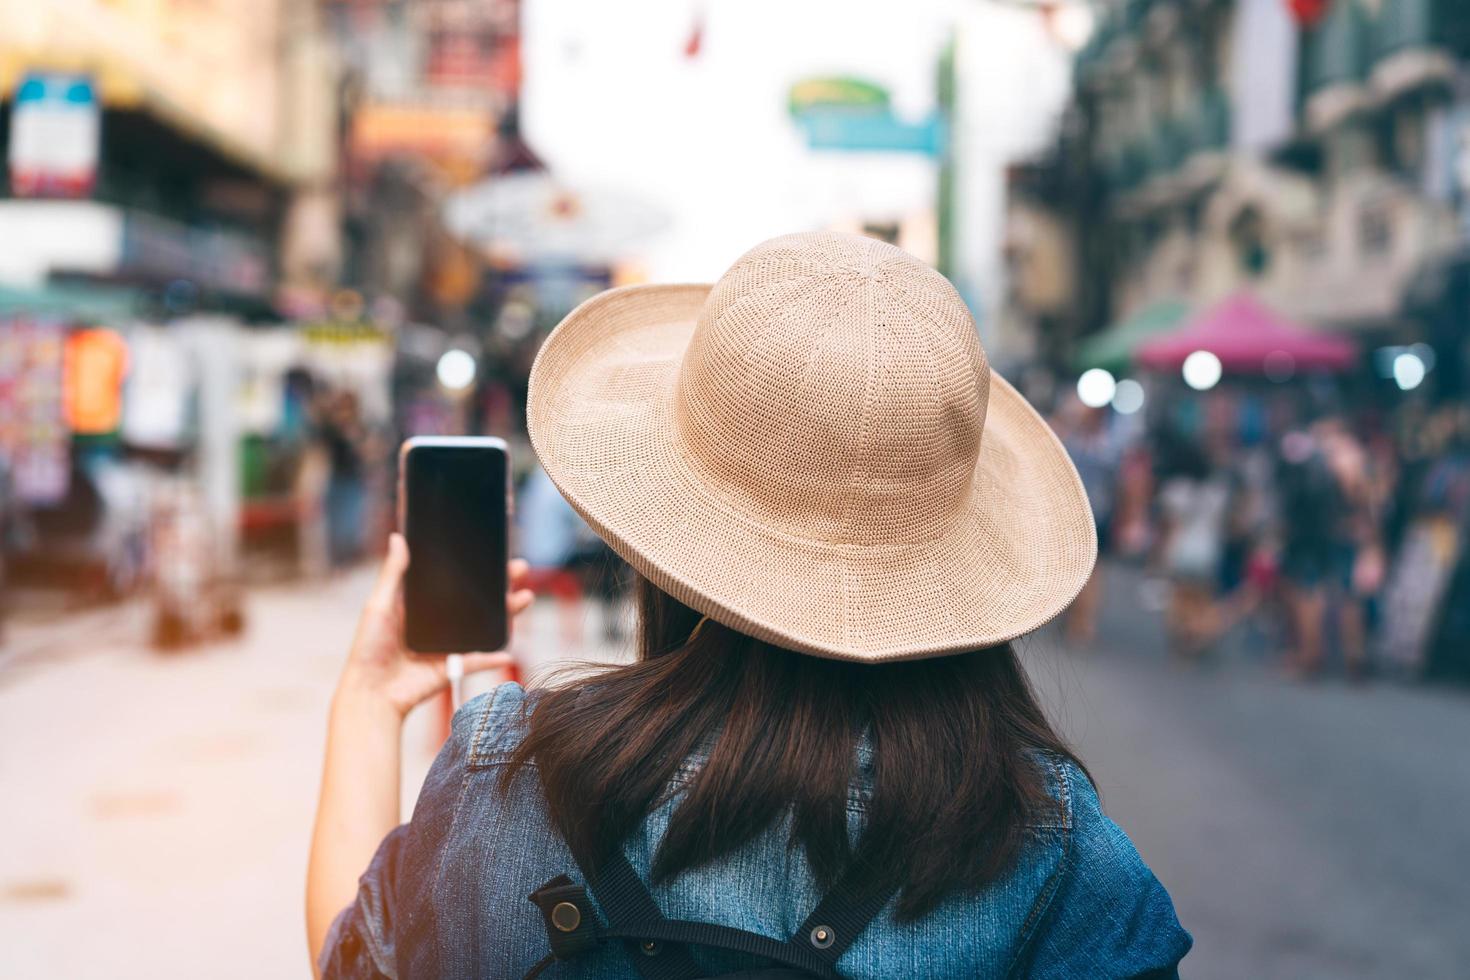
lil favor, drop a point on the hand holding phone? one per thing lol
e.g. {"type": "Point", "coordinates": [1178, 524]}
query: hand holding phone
{"type": "Point", "coordinates": [380, 670]}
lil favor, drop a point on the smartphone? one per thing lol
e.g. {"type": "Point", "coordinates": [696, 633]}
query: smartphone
{"type": "Point", "coordinates": [454, 505]}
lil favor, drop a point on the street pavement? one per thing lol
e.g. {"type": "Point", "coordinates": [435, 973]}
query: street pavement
{"type": "Point", "coordinates": [1305, 830]}
{"type": "Point", "coordinates": [156, 807]}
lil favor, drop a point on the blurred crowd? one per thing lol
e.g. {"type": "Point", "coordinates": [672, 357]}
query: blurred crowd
{"type": "Point", "coordinates": [1323, 540]}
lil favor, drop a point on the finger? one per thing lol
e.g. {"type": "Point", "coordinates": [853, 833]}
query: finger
{"type": "Point", "coordinates": [518, 602]}
{"type": "Point", "coordinates": [475, 662]}
{"type": "Point", "coordinates": [516, 571]}
{"type": "Point", "coordinates": [386, 589]}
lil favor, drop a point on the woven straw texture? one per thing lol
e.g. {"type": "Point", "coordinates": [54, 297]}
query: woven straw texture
{"type": "Point", "coordinates": [814, 451]}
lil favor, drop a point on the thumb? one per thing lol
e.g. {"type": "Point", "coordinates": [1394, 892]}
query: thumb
{"type": "Point", "coordinates": [385, 591]}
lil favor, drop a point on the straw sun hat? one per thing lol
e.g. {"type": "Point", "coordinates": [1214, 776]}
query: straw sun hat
{"type": "Point", "coordinates": [814, 451]}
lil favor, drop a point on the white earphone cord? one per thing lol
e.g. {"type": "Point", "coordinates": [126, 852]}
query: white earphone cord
{"type": "Point", "coordinates": [454, 669]}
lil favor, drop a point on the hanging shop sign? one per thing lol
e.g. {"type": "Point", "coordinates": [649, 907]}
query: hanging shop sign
{"type": "Point", "coordinates": [532, 218]}
{"type": "Point", "coordinates": [55, 126]}
{"type": "Point", "coordinates": [343, 333]}
{"type": "Point", "coordinates": [456, 141]}
{"type": "Point", "coordinates": [836, 92]}
{"type": "Point", "coordinates": [841, 113]}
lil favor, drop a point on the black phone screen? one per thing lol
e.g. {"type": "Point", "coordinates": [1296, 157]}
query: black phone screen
{"type": "Point", "coordinates": [455, 523]}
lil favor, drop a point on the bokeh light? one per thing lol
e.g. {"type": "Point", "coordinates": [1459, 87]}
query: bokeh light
{"type": "Point", "coordinates": [1128, 397]}
{"type": "Point", "coordinates": [1096, 387]}
{"type": "Point", "coordinates": [456, 369]}
{"type": "Point", "coordinates": [1202, 370]}
{"type": "Point", "coordinates": [1408, 371]}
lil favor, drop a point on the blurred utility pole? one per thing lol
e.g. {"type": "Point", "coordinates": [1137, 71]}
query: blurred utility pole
{"type": "Point", "coordinates": [944, 202]}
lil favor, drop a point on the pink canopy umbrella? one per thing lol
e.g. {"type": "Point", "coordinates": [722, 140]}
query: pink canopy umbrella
{"type": "Point", "coordinates": [1244, 333]}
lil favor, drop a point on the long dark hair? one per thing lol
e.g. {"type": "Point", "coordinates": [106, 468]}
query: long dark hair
{"type": "Point", "coordinates": [955, 777]}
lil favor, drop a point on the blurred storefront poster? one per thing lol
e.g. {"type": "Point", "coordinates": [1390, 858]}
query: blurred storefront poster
{"type": "Point", "coordinates": [55, 133]}
{"type": "Point", "coordinates": [1416, 587]}
{"type": "Point", "coordinates": [33, 435]}
{"type": "Point", "coordinates": [156, 407]}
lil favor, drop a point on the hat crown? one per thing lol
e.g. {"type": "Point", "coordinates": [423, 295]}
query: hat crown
{"type": "Point", "coordinates": [835, 390]}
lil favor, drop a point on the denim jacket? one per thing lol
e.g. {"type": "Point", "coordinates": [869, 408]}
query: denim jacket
{"type": "Point", "coordinates": [446, 894]}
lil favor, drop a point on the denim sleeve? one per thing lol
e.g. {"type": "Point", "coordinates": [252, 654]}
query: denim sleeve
{"type": "Point", "coordinates": [391, 926]}
{"type": "Point", "coordinates": [1110, 917]}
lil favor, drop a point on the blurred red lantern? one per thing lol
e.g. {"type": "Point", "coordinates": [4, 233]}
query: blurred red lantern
{"type": "Point", "coordinates": [696, 37]}
{"type": "Point", "coordinates": [1308, 12]}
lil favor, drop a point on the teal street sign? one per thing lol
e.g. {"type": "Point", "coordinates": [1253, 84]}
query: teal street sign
{"type": "Point", "coordinates": [881, 131]}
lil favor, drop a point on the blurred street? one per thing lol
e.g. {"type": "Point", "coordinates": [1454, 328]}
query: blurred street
{"type": "Point", "coordinates": [180, 788]}
{"type": "Point", "coordinates": [250, 247]}
{"type": "Point", "coordinates": [1305, 830]}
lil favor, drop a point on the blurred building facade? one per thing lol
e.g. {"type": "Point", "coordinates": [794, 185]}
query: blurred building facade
{"type": "Point", "coordinates": [1317, 154]}
{"type": "Point", "coordinates": [203, 150]}
{"type": "Point", "coordinates": [431, 94]}
{"type": "Point", "coordinates": [169, 212]}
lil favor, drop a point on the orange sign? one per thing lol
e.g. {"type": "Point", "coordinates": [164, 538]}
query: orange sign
{"type": "Point", "coordinates": [458, 139]}
{"type": "Point", "coordinates": [95, 363]}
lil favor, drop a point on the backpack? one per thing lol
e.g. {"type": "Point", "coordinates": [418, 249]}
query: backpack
{"type": "Point", "coordinates": [658, 947]}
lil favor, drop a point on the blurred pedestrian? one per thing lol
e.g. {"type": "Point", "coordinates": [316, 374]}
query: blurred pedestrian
{"type": "Point", "coordinates": [1097, 452]}
{"type": "Point", "coordinates": [309, 493]}
{"type": "Point", "coordinates": [549, 532]}
{"type": "Point", "coordinates": [1310, 557]}
{"type": "Point", "coordinates": [345, 440]}
{"type": "Point", "coordinates": [1194, 501]}
{"type": "Point", "coordinates": [302, 426]}
{"type": "Point", "coordinates": [1359, 564]}
{"type": "Point", "coordinates": [1131, 529]}
{"type": "Point", "coordinates": [825, 716]}
{"type": "Point", "coordinates": [1248, 574]}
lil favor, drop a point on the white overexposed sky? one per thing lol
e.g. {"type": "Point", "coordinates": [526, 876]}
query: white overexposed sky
{"type": "Point", "coordinates": [611, 101]}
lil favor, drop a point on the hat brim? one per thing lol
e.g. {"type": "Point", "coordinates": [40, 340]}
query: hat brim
{"type": "Point", "coordinates": [600, 415]}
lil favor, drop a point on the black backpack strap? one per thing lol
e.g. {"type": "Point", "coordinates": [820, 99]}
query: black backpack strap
{"type": "Point", "coordinates": [631, 913]}
{"type": "Point", "coordinates": [573, 928]}
{"type": "Point", "coordinates": [658, 947]}
{"type": "Point", "coordinates": [842, 915]}
{"type": "Point", "coordinates": [816, 947]}
{"type": "Point", "coordinates": [652, 936]}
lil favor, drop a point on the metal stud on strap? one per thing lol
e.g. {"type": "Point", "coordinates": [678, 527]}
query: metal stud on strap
{"type": "Point", "coordinates": [823, 936]}
{"type": "Point", "coordinates": [566, 917]}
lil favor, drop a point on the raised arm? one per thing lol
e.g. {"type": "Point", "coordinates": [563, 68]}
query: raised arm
{"type": "Point", "coordinates": [380, 684]}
